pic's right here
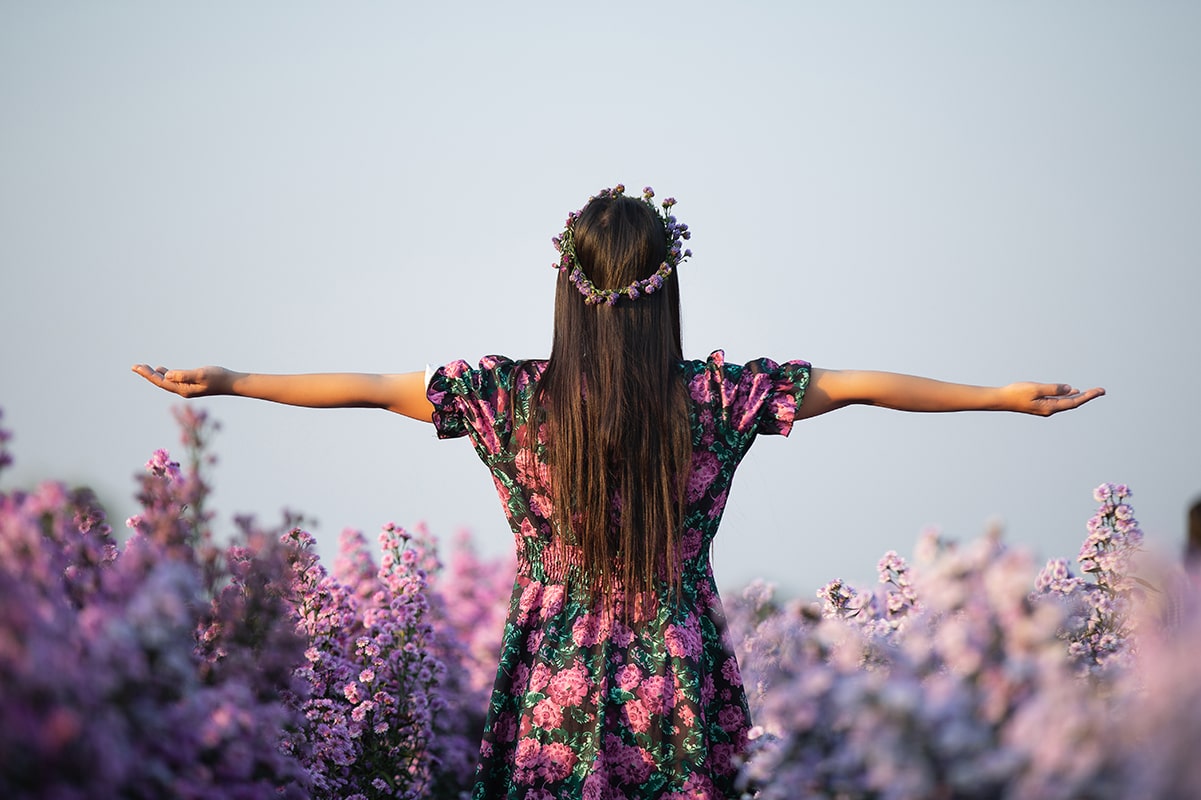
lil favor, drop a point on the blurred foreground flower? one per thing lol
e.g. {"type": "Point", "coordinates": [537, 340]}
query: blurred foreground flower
{"type": "Point", "coordinates": [955, 679]}
{"type": "Point", "coordinates": [107, 686]}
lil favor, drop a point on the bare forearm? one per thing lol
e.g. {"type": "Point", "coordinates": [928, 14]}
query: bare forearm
{"type": "Point", "coordinates": [833, 389]}
{"type": "Point", "coordinates": [913, 393]}
{"type": "Point", "coordinates": [318, 390]}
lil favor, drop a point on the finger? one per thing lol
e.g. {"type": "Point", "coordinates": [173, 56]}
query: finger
{"type": "Point", "coordinates": [1074, 400]}
{"type": "Point", "coordinates": [1065, 390]}
{"type": "Point", "coordinates": [1079, 397]}
{"type": "Point", "coordinates": [146, 372]}
{"type": "Point", "coordinates": [181, 375]}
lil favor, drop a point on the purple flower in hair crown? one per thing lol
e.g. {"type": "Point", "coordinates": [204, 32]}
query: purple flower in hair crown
{"type": "Point", "coordinates": [569, 265]}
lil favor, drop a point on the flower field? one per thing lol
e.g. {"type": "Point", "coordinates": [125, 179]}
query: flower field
{"type": "Point", "coordinates": [186, 663]}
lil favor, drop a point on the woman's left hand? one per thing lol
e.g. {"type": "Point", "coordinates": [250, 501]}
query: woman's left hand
{"type": "Point", "coordinates": [1045, 399]}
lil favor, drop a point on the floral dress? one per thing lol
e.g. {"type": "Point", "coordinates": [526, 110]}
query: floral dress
{"type": "Point", "coordinates": [586, 705]}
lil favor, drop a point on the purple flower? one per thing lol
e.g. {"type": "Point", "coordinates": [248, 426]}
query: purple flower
{"type": "Point", "coordinates": [986, 688]}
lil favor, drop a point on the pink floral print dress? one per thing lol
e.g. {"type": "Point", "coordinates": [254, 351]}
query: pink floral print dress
{"type": "Point", "coordinates": [586, 705]}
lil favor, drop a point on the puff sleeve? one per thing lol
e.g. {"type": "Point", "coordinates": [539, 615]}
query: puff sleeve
{"type": "Point", "coordinates": [476, 402]}
{"type": "Point", "coordinates": [759, 397]}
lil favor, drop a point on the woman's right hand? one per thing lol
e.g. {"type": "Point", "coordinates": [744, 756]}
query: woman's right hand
{"type": "Point", "coordinates": [202, 382]}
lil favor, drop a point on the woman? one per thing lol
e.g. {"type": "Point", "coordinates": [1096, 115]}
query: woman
{"type": "Point", "coordinates": [613, 459]}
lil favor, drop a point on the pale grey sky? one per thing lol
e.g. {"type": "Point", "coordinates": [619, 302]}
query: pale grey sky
{"type": "Point", "coordinates": [981, 192]}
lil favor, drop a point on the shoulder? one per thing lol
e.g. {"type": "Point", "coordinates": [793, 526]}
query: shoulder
{"type": "Point", "coordinates": [759, 396]}
{"type": "Point", "coordinates": [480, 398]}
{"type": "Point", "coordinates": [716, 367]}
{"type": "Point", "coordinates": [492, 363]}
{"type": "Point", "coordinates": [493, 372]}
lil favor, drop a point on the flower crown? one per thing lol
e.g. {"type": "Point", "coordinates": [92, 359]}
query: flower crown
{"type": "Point", "coordinates": [570, 265]}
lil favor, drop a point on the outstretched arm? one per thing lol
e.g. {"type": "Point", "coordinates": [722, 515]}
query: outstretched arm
{"type": "Point", "coordinates": [833, 389]}
{"type": "Point", "coordinates": [402, 394]}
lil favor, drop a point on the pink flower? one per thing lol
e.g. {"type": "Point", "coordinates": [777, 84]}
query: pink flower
{"type": "Point", "coordinates": [161, 464]}
{"type": "Point", "coordinates": [531, 595]}
{"type": "Point", "coordinates": [690, 547]}
{"type": "Point", "coordinates": [505, 727]}
{"type": "Point", "coordinates": [630, 764]}
{"type": "Point", "coordinates": [590, 629]}
{"type": "Point", "coordinates": [547, 714]}
{"type": "Point", "coordinates": [541, 505]}
{"type": "Point", "coordinates": [540, 678]}
{"type": "Point", "coordinates": [729, 671]}
{"type": "Point", "coordinates": [683, 641]}
{"type": "Point", "coordinates": [530, 471]}
{"type": "Point", "coordinates": [731, 718]}
{"type": "Point", "coordinates": [705, 468]}
{"type": "Point", "coordinates": [534, 643]}
{"type": "Point", "coordinates": [501, 490]}
{"type": "Point", "coordinates": [552, 601]}
{"type": "Point", "coordinates": [558, 760]}
{"type": "Point", "coordinates": [637, 716]}
{"type": "Point", "coordinates": [596, 786]}
{"type": "Point", "coordinates": [628, 677]}
{"type": "Point", "coordinates": [659, 694]}
{"type": "Point", "coordinates": [362, 710]}
{"type": "Point", "coordinates": [722, 758]}
{"type": "Point", "coordinates": [521, 677]}
{"type": "Point", "coordinates": [529, 754]}
{"type": "Point", "coordinates": [570, 686]}
{"type": "Point", "coordinates": [697, 787]}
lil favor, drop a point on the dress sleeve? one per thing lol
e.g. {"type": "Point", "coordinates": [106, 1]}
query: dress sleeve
{"type": "Point", "coordinates": [475, 402]}
{"type": "Point", "coordinates": [760, 396]}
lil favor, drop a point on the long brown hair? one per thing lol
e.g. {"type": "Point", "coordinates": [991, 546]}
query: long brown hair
{"type": "Point", "coordinates": [613, 402]}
